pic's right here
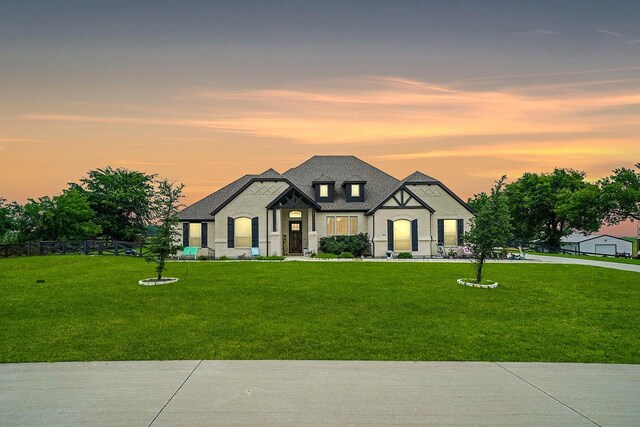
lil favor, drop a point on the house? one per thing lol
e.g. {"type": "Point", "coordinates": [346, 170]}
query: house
{"type": "Point", "coordinates": [288, 213]}
{"type": "Point", "coordinates": [596, 244]}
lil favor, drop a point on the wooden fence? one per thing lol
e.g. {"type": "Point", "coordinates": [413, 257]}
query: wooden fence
{"type": "Point", "coordinates": [87, 247]}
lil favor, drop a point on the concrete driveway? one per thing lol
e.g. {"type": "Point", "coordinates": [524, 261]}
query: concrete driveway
{"type": "Point", "coordinates": [577, 261]}
{"type": "Point", "coordinates": [294, 393]}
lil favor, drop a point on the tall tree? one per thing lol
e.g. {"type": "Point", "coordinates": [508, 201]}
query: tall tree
{"type": "Point", "coordinates": [164, 208]}
{"type": "Point", "coordinates": [66, 216]}
{"type": "Point", "coordinates": [477, 201]}
{"type": "Point", "coordinates": [549, 206]}
{"type": "Point", "coordinates": [621, 194]}
{"type": "Point", "coordinates": [121, 200]}
{"type": "Point", "coordinates": [5, 220]}
{"type": "Point", "coordinates": [490, 228]}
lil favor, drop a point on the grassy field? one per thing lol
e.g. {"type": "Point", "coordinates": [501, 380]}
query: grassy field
{"type": "Point", "coordinates": [91, 308]}
{"type": "Point", "coordinates": [593, 258]}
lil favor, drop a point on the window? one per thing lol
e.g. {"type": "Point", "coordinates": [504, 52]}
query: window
{"type": "Point", "coordinates": [402, 235]}
{"type": "Point", "coordinates": [295, 226]}
{"type": "Point", "coordinates": [324, 190]}
{"type": "Point", "coordinates": [355, 190]}
{"type": "Point", "coordinates": [353, 225]}
{"type": "Point", "coordinates": [242, 232]}
{"type": "Point", "coordinates": [195, 234]}
{"type": "Point", "coordinates": [342, 225]}
{"type": "Point", "coordinates": [295, 214]}
{"type": "Point", "coordinates": [450, 232]}
{"type": "Point", "coordinates": [331, 226]}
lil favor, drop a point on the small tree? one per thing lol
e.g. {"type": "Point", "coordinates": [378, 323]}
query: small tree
{"type": "Point", "coordinates": [164, 208]}
{"type": "Point", "coordinates": [490, 228]}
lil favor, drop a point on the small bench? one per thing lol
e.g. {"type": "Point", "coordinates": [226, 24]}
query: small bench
{"type": "Point", "coordinates": [189, 251]}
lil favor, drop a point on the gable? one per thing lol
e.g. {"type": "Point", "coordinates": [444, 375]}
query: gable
{"type": "Point", "coordinates": [402, 199]}
{"type": "Point", "coordinates": [440, 198]}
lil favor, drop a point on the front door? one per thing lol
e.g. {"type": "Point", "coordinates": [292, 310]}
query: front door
{"type": "Point", "coordinates": [295, 237]}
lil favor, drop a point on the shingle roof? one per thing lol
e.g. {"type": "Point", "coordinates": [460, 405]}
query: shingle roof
{"type": "Point", "coordinates": [419, 177]}
{"type": "Point", "coordinates": [201, 210]}
{"type": "Point", "coordinates": [340, 169]}
{"type": "Point", "coordinates": [379, 185]}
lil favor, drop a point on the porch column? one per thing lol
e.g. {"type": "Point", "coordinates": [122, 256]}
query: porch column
{"type": "Point", "coordinates": [312, 242]}
{"type": "Point", "coordinates": [275, 237]}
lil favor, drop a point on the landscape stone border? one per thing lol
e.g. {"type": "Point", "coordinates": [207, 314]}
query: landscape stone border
{"type": "Point", "coordinates": [154, 282]}
{"type": "Point", "coordinates": [477, 285]}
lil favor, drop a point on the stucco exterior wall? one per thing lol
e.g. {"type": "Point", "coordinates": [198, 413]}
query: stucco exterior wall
{"type": "Point", "coordinates": [382, 215]}
{"type": "Point", "coordinates": [252, 202]}
{"type": "Point", "coordinates": [445, 206]}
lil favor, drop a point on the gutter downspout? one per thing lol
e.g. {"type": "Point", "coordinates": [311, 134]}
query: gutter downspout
{"type": "Point", "coordinates": [267, 228]}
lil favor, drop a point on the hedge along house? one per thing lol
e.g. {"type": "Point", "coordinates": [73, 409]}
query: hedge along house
{"type": "Point", "coordinates": [286, 214]}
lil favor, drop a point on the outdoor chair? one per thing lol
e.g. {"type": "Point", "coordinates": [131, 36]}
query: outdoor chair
{"type": "Point", "coordinates": [189, 252]}
{"type": "Point", "coordinates": [130, 252]}
{"type": "Point", "coordinates": [255, 252]}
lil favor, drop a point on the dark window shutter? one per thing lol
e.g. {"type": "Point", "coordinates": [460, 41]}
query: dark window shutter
{"type": "Point", "coordinates": [389, 235]}
{"type": "Point", "coordinates": [185, 234]}
{"type": "Point", "coordinates": [204, 235]}
{"type": "Point", "coordinates": [460, 231]}
{"type": "Point", "coordinates": [231, 232]}
{"type": "Point", "coordinates": [255, 236]}
{"type": "Point", "coordinates": [441, 231]}
{"type": "Point", "coordinates": [414, 235]}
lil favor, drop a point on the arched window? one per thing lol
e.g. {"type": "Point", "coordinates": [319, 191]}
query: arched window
{"type": "Point", "coordinates": [242, 232]}
{"type": "Point", "coordinates": [402, 235]}
{"type": "Point", "coordinates": [295, 214]}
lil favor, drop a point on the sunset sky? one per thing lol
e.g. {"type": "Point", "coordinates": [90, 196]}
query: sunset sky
{"type": "Point", "coordinates": [206, 91]}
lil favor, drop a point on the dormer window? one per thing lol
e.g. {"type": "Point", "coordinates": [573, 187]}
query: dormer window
{"type": "Point", "coordinates": [324, 187]}
{"type": "Point", "coordinates": [354, 189]}
{"type": "Point", "coordinates": [323, 192]}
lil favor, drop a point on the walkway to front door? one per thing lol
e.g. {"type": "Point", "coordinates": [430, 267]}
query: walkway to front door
{"type": "Point", "coordinates": [295, 237]}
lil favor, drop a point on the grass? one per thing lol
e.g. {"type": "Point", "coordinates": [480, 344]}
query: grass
{"type": "Point", "coordinates": [90, 308]}
{"type": "Point", "coordinates": [592, 257]}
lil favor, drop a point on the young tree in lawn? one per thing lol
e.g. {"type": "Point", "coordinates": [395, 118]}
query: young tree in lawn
{"type": "Point", "coordinates": [164, 208]}
{"type": "Point", "coordinates": [490, 228]}
{"type": "Point", "coordinates": [120, 198]}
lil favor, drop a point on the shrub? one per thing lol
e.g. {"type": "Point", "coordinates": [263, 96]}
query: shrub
{"type": "Point", "coordinates": [345, 255]}
{"type": "Point", "coordinates": [405, 255]}
{"type": "Point", "coordinates": [223, 258]}
{"type": "Point", "coordinates": [270, 258]}
{"type": "Point", "coordinates": [357, 245]}
{"type": "Point", "coordinates": [203, 258]}
{"type": "Point", "coordinates": [325, 255]}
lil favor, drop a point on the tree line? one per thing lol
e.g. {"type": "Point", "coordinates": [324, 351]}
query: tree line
{"type": "Point", "coordinates": [109, 204]}
{"type": "Point", "coordinates": [549, 206]}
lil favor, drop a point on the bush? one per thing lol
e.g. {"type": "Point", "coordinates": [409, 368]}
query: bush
{"type": "Point", "coordinates": [405, 255]}
{"type": "Point", "coordinates": [357, 245]}
{"type": "Point", "coordinates": [345, 255]}
{"type": "Point", "coordinates": [325, 255]}
{"type": "Point", "coordinates": [203, 258]}
{"type": "Point", "coordinates": [223, 258]}
{"type": "Point", "coordinates": [270, 258]}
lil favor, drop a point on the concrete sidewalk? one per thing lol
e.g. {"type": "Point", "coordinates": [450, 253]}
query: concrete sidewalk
{"type": "Point", "coordinates": [192, 393]}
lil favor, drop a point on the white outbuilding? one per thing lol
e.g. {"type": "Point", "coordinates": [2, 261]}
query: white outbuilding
{"type": "Point", "coordinates": [600, 244]}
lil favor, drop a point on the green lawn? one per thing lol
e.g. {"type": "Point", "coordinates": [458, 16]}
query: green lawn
{"type": "Point", "coordinates": [593, 258]}
{"type": "Point", "coordinates": [90, 308]}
